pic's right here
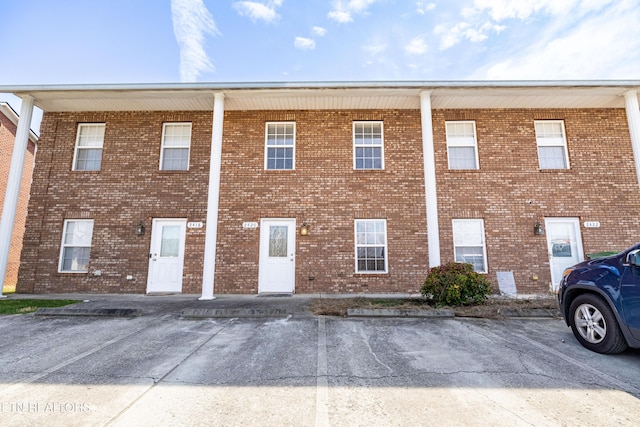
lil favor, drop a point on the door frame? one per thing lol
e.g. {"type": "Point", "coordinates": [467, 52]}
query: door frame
{"type": "Point", "coordinates": [153, 241]}
{"type": "Point", "coordinates": [575, 221]}
{"type": "Point", "coordinates": [264, 223]}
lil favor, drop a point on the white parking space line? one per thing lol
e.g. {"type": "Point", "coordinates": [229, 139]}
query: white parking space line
{"type": "Point", "coordinates": [322, 385]}
{"type": "Point", "coordinates": [621, 385]}
{"type": "Point", "coordinates": [160, 380]}
{"type": "Point", "coordinates": [23, 382]}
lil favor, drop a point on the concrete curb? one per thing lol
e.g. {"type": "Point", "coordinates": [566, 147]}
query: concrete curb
{"type": "Point", "coordinates": [89, 312]}
{"type": "Point", "coordinates": [204, 313]}
{"type": "Point", "coordinates": [529, 313]}
{"type": "Point", "coordinates": [395, 312]}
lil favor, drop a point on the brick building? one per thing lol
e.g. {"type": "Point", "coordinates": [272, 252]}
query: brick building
{"type": "Point", "coordinates": [8, 126]}
{"type": "Point", "coordinates": [327, 187]}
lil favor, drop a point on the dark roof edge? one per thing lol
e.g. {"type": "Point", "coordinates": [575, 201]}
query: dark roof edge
{"type": "Point", "coordinates": [412, 84]}
{"type": "Point", "coordinates": [13, 115]}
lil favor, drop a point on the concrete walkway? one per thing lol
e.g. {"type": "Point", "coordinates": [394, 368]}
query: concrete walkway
{"type": "Point", "coordinates": [131, 305]}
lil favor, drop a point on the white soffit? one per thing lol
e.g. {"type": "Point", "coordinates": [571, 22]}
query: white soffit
{"type": "Point", "coordinates": [554, 97]}
{"type": "Point", "coordinates": [341, 97]}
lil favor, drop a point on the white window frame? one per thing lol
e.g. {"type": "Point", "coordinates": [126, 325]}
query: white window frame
{"type": "Point", "coordinates": [356, 145]}
{"type": "Point", "coordinates": [78, 147]}
{"type": "Point", "coordinates": [267, 146]}
{"type": "Point", "coordinates": [455, 141]}
{"type": "Point", "coordinates": [64, 245]}
{"type": "Point", "coordinates": [465, 242]}
{"type": "Point", "coordinates": [548, 141]}
{"type": "Point", "coordinates": [358, 245]}
{"type": "Point", "coordinates": [186, 146]}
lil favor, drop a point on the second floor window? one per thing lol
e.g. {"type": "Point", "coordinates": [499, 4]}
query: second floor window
{"type": "Point", "coordinates": [280, 146]}
{"type": "Point", "coordinates": [462, 147]}
{"type": "Point", "coordinates": [368, 145]}
{"type": "Point", "coordinates": [552, 144]}
{"type": "Point", "coordinates": [176, 144]}
{"type": "Point", "coordinates": [88, 152]}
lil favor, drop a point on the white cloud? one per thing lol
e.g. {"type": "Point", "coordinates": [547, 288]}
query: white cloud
{"type": "Point", "coordinates": [484, 17]}
{"type": "Point", "coordinates": [499, 10]}
{"type": "Point", "coordinates": [191, 21]}
{"type": "Point", "coordinates": [422, 7]}
{"type": "Point", "coordinates": [304, 43]}
{"type": "Point", "coordinates": [343, 11]}
{"type": "Point", "coordinates": [340, 16]}
{"type": "Point", "coordinates": [257, 11]}
{"type": "Point", "coordinates": [417, 46]}
{"type": "Point", "coordinates": [475, 33]}
{"type": "Point", "coordinates": [597, 48]}
{"type": "Point", "coordinates": [375, 49]}
{"type": "Point", "coordinates": [319, 31]}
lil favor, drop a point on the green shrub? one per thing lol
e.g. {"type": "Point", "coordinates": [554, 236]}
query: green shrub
{"type": "Point", "coordinates": [455, 284]}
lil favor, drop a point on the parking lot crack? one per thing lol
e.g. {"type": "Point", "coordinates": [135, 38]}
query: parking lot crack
{"type": "Point", "coordinates": [178, 364]}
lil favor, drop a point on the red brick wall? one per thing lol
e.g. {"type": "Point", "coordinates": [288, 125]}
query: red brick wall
{"type": "Point", "coordinates": [325, 192]}
{"type": "Point", "coordinates": [328, 194]}
{"type": "Point", "coordinates": [7, 139]}
{"type": "Point", "coordinates": [128, 189]}
{"type": "Point", "coordinates": [601, 185]}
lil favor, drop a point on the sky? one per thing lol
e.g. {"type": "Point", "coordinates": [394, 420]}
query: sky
{"type": "Point", "coordinates": [170, 41]}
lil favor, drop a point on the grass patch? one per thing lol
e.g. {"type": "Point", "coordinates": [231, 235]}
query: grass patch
{"type": "Point", "coordinates": [489, 309]}
{"type": "Point", "coordinates": [22, 306]}
{"type": "Point", "coordinates": [339, 306]}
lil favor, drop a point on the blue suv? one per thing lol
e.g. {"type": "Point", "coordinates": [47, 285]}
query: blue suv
{"type": "Point", "coordinates": [600, 300]}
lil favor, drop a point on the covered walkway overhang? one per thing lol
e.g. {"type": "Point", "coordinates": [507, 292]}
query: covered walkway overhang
{"type": "Point", "coordinates": [328, 95]}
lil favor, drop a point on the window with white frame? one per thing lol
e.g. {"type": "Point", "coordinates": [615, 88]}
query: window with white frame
{"type": "Point", "coordinates": [176, 145]}
{"type": "Point", "coordinates": [280, 144]}
{"type": "Point", "coordinates": [371, 245]}
{"type": "Point", "coordinates": [368, 145]}
{"type": "Point", "coordinates": [89, 142]}
{"type": "Point", "coordinates": [76, 246]}
{"type": "Point", "coordinates": [462, 147]}
{"type": "Point", "coordinates": [469, 243]}
{"type": "Point", "coordinates": [552, 144]}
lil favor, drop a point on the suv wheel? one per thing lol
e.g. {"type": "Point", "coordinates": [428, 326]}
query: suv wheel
{"type": "Point", "coordinates": [595, 326]}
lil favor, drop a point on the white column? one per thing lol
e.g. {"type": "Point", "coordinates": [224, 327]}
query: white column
{"type": "Point", "coordinates": [213, 199]}
{"type": "Point", "coordinates": [13, 184]}
{"type": "Point", "coordinates": [428, 153]}
{"type": "Point", "coordinates": [633, 118]}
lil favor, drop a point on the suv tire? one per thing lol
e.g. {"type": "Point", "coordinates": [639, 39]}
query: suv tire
{"type": "Point", "coordinates": [594, 325]}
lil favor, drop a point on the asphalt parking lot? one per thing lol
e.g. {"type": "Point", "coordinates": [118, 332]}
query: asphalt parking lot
{"type": "Point", "coordinates": [304, 370]}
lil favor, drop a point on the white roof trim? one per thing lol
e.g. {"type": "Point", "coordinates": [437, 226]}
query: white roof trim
{"type": "Point", "coordinates": [12, 115]}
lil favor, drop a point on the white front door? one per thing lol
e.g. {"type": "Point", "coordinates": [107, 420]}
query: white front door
{"type": "Point", "coordinates": [277, 269]}
{"type": "Point", "coordinates": [564, 244]}
{"type": "Point", "coordinates": [166, 255]}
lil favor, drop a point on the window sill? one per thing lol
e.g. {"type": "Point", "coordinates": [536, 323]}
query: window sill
{"type": "Point", "coordinates": [372, 274]}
